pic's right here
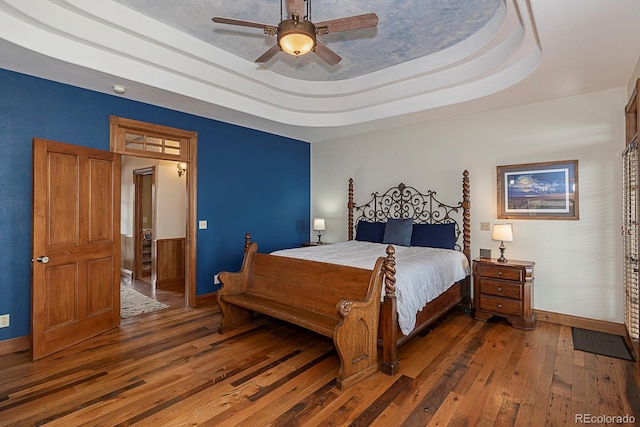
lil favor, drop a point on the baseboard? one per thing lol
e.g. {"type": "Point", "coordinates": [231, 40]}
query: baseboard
{"type": "Point", "coordinates": [207, 299]}
{"type": "Point", "coordinates": [581, 322]}
{"type": "Point", "coordinates": [635, 347]}
{"type": "Point", "coordinates": [13, 345]}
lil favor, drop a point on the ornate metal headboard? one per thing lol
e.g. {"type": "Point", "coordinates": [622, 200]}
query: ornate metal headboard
{"type": "Point", "coordinates": [406, 202]}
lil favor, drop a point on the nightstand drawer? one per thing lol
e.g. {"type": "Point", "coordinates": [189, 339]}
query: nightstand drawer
{"type": "Point", "coordinates": [502, 289]}
{"type": "Point", "coordinates": [499, 272]}
{"type": "Point", "coordinates": [501, 306]}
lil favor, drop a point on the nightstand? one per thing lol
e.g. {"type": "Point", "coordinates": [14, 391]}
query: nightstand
{"type": "Point", "coordinates": [504, 289]}
{"type": "Point", "coordinates": [305, 244]}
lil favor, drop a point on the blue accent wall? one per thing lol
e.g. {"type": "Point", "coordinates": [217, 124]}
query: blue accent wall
{"type": "Point", "coordinates": [248, 181]}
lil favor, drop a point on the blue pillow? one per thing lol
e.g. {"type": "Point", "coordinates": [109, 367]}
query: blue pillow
{"type": "Point", "coordinates": [370, 231]}
{"type": "Point", "coordinates": [398, 231]}
{"type": "Point", "coordinates": [434, 235]}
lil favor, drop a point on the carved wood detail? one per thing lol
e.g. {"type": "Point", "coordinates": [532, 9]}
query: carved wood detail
{"type": "Point", "coordinates": [345, 306]}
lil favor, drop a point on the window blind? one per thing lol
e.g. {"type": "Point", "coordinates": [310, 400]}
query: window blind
{"type": "Point", "coordinates": [630, 237]}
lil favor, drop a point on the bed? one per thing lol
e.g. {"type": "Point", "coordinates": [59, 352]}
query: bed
{"type": "Point", "coordinates": [446, 226]}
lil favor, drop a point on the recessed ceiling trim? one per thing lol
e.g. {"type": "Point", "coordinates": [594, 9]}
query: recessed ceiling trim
{"type": "Point", "coordinates": [107, 37]}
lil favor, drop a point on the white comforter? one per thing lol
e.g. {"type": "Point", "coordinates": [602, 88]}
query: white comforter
{"type": "Point", "coordinates": [421, 273]}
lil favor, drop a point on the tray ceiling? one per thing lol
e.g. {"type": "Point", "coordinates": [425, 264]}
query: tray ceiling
{"type": "Point", "coordinates": [425, 59]}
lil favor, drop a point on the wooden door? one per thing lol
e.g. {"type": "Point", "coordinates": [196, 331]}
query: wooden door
{"type": "Point", "coordinates": [144, 224]}
{"type": "Point", "coordinates": [75, 288]}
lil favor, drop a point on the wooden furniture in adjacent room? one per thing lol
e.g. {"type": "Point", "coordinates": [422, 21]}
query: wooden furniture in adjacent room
{"type": "Point", "coordinates": [504, 289]}
{"type": "Point", "coordinates": [344, 306]}
{"type": "Point", "coordinates": [146, 256]}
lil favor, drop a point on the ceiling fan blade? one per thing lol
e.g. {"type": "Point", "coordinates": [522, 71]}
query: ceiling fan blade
{"type": "Point", "coordinates": [357, 22]}
{"type": "Point", "coordinates": [326, 54]}
{"type": "Point", "coordinates": [295, 7]}
{"type": "Point", "coordinates": [268, 54]}
{"type": "Point", "coordinates": [230, 21]}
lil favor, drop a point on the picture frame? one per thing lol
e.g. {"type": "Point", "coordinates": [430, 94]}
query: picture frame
{"type": "Point", "coordinates": [547, 190]}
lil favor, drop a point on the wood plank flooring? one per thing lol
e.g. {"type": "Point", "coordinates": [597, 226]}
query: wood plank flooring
{"type": "Point", "coordinates": [172, 368]}
{"type": "Point", "coordinates": [172, 295]}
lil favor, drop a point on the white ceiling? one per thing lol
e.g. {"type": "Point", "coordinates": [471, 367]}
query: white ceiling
{"type": "Point", "coordinates": [427, 59]}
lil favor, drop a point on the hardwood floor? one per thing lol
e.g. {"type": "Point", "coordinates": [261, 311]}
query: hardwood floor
{"type": "Point", "coordinates": [172, 368]}
{"type": "Point", "coordinates": [173, 296]}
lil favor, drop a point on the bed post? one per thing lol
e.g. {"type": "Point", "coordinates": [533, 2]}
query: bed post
{"type": "Point", "coordinates": [389, 320]}
{"type": "Point", "coordinates": [350, 209]}
{"type": "Point", "coordinates": [466, 216]}
{"type": "Point", "coordinates": [247, 240]}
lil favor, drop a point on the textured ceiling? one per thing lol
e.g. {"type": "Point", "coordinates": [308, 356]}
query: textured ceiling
{"type": "Point", "coordinates": [427, 59]}
{"type": "Point", "coordinates": [406, 30]}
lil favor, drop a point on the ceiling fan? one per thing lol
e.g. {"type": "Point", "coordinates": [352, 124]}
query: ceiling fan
{"type": "Point", "coordinates": [297, 36]}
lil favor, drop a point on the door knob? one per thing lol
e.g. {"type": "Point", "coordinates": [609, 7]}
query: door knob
{"type": "Point", "coordinates": [43, 259]}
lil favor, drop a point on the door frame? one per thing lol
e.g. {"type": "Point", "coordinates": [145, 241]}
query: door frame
{"type": "Point", "coordinates": [188, 154]}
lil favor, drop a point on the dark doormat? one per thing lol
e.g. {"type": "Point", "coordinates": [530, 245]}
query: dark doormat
{"type": "Point", "coordinates": [601, 343]}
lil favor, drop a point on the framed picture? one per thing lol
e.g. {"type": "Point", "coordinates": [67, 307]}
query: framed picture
{"type": "Point", "coordinates": [538, 190]}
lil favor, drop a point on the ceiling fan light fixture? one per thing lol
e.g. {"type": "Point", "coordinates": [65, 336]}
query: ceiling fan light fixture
{"type": "Point", "coordinates": [295, 37]}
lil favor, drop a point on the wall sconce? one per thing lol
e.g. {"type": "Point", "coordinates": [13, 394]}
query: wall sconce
{"type": "Point", "coordinates": [319, 226]}
{"type": "Point", "coordinates": [182, 168]}
{"type": "Point", "coordinates": [503, 233]}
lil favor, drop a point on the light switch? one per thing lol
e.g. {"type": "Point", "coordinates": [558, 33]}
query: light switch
{"type": "Point", "coordinates": [202, 224]}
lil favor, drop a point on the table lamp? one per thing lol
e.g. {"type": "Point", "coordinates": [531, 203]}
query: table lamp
{"type": "Point", "coordinates": [503, 233]}
{"type": "Point", "coordinates": [319, 226]}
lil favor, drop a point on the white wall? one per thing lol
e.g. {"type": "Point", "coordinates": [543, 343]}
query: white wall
{"type": "Point", "coordinates": [578, 263]}
{"type": "Point", "coordinates": [171, 201]}
{"type": "Point", "coordinates": [632, 81]}
{"type": "Point", "coordinates": [171, 197]}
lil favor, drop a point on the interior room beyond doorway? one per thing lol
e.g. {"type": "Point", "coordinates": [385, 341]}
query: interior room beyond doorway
{"type": "Point", "coordinates": [153, 227]}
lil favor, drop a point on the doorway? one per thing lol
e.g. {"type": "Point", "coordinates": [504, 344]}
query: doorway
{"type": "Point", "coordinates": [174, 153]}
{"type": "Point", "coordinates": [153, 224]}
{"type": "Point", "coordinates": [90, 179]}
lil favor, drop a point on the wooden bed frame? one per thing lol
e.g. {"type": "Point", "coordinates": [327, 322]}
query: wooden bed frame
{"type": "Point", "coordinates": [407, 202]}
{"type": "Point", "coordinates": [397, 202]}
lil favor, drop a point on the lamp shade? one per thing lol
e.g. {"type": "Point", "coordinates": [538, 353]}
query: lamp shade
{"type": "Point", "coordinates": [503, 232]}
{"type": "Point", "coordinates": [318, 224]}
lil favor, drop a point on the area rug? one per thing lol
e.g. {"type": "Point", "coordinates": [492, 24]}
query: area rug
{"type": "Point", "coordinates": [133, 303]}
{"type": "Point", "coordinates": [600, 343]}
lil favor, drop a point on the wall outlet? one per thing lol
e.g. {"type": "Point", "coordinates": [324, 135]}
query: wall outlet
{"type": "Point", "coordinates": [485, 226]}
{"type": "Point", "coordinates": [216, 281]}
{"type": "Point", "coordinates": [202, 224]}
{"type": "Point", "coordinates": [4, 321]}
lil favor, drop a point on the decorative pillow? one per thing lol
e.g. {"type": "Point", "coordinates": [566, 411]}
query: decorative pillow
{"type": "Point", "coordinates": [398, 232]}
{"type": "Point", "coordinates": [434, 235]}
{"type": "Point", "coordinates": [370, 231]}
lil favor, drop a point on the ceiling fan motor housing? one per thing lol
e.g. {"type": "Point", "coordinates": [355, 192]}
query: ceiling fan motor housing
{"type": "Point", "coordinates": [296, 37]}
